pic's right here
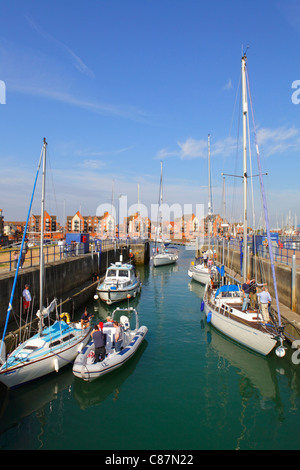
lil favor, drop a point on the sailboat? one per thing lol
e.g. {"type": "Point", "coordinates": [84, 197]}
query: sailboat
{"type": "Point", "coordinates": [204, 271]}
{"type": "Point", "coordinates": [54, 346]}
{"type": "Point", "coordinates": [163, 255]}
{"type": "Point", "coordinates": [223, 306]}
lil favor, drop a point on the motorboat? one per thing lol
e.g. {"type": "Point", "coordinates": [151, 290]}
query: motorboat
{"type": "Point", "coordinates": [55, 345]}
{"type": "Point", "coordinates": [85, 366]}
{"type": "Point", "coordinates": [121, 281]}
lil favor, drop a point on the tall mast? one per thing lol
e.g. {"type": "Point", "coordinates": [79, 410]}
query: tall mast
{"type": "Point", "coordinates": [42, 230]}
{"type": "Point", "coordinates": [245, 111]}
{"type": "Point", "coordinates": [161, 197]}
{"type": "Point", "coordinates": [209, 193]}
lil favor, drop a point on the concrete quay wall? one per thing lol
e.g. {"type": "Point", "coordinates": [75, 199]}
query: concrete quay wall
{"type": "Point", "coordinates": [64, 277]}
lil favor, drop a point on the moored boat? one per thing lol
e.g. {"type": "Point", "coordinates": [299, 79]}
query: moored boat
{"type": "Point", "coordinates": [121, 281]}
{"type": "Point", "coordinates": [223, 306]}
{"type": "Point", "coordinates": [85, 366]}
{"type": "Point", "coordinates": [55, 345]}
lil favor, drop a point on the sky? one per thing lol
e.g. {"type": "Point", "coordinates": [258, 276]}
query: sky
{"type": "Point", "coordinates": [116, 86]}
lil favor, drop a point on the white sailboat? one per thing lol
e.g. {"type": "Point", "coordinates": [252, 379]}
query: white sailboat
{"type": "Point", "coordinates": [223, 307]}
{"type": "Point", "coordinates": [204, 271]}
{"type": "Point", "coordinates": [163, 255]}
{"type": "Point", "coordinates": [54, 346]}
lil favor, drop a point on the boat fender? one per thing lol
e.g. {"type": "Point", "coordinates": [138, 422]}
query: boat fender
{"type": "Point", "coordinates": [96, 297]}
{"type": "Point", "coordinates": [56, 365]}
{"type": "Point", "coordinates": [208, 318]}
{"type": "Point", "coordinates": [80, 348]}
{"type": "Point", "coordinates": [202, 305]}
{"type": "Point", "coordinates": [65, 314]}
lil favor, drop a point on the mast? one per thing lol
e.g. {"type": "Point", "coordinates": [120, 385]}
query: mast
{"type": "Point", "coordinates": [245, 111]}
{"type": "Point", "coordinates": [42, 230]}
{"type": "Point", "coordinates": [161, 198]}
{"type": "Point", "coordinates": [209, 194]}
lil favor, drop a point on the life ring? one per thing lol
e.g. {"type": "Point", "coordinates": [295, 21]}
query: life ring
{"type": "Point", "coordinates": [65, 314]}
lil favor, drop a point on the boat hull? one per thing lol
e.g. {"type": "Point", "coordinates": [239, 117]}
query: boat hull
{"type": "Point", "coordinates": [44, 364]}
{"type": "Point", "coordinates": [164, 259]}
{"type": "Point", "coordinates": [89, 372]}
{"type": "Point", "coordinates": [199, 276]}
{"type": "Point", "coordinates": [257, 341]}
{"type": "Point", "coordinates": [111, 296]}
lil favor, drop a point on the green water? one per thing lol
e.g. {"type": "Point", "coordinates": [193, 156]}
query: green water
{"type": "Point", "coordinates": [187, 388]}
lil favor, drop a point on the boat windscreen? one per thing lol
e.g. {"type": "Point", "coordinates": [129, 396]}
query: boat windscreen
{"type": "Point", "coordinates": [123, 273]}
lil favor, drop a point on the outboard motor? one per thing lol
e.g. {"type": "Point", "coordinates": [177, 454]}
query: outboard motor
{"type": "Point", "coordinates": [125, 322]}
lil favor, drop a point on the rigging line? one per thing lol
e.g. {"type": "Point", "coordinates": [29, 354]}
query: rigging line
{"type": "Point", "coordinates": [264, 204]}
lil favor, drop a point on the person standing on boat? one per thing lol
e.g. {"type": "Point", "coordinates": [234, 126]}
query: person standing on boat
{"type": "Point", "coordinates": [246, 292]}
{"type": "Point", "coordinates": [99, 342]}
{"type": "Point", "coordinates": [26, 299]}
{"type": "Point", "coordinates": [265, 301]}
{"type": "Point", "coordinates": [118, 336]}
{"type": "Point", "coordinates": [253, 293]}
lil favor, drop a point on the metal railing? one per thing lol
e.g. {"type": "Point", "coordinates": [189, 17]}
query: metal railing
{"type": "Point", "coordinates": [55, 252]}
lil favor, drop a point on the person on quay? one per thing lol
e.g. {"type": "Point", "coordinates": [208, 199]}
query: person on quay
{"type": "Point", "coordinates": [26, 299]}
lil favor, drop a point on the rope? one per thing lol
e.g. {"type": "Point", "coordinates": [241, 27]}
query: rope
{"type": "Point", "coordinates": [264, 204]}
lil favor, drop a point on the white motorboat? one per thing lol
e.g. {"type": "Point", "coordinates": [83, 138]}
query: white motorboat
{"type": "Point", "coordinates": [223, 306]}
{"type": "Point", "coordinates": [54, 346]}
{"type": "Point", "coordinates": [120, 282]}
{"type": "Point", "coordinates": [84, 366]}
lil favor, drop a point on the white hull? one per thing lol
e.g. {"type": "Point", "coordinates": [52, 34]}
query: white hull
{"type": "Point", "coordinates": [111, 296]}
{"type": "Point", "coordinates": [163, 259]}
{"type": "Point", "coordinates": [247, 336]}
{"type": "Point", "coordinates": [202, 276]}
{"type": "Point", "coordinates": [91, 371]}
{"type": "Point", "coordinates": [45, 363]}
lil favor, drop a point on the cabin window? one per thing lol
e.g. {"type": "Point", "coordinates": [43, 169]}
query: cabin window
{"type": "Point", "coordinates": [123, 273]}
{"type": "Point", "coordinates": [66, 338]}
{"type": "Point", "coordinates": [54, 343]}
{"type": "Point", "coordinates": [111, 273]}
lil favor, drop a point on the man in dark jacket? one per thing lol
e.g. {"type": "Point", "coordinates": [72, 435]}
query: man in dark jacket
{"type": "Point", "coordinates": [99, 339]}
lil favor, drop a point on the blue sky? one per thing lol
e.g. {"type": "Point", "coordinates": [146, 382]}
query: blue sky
{"type": "Point", "coordinates": [115, 86]}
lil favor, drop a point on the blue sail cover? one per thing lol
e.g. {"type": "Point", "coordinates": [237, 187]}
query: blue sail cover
{"type": "Point", "coordinates": [228, 288]}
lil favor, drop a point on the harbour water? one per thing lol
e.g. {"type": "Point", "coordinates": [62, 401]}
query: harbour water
{"type": "Point", "coordinates": [187, 388]}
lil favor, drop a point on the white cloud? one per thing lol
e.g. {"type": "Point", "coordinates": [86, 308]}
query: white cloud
{"type": "Point", "coordinates": [77, 61]}
{"type": "Point", "coordinates": [278, 141]}
{"type": "Point", "coordinates": [228, 85]}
